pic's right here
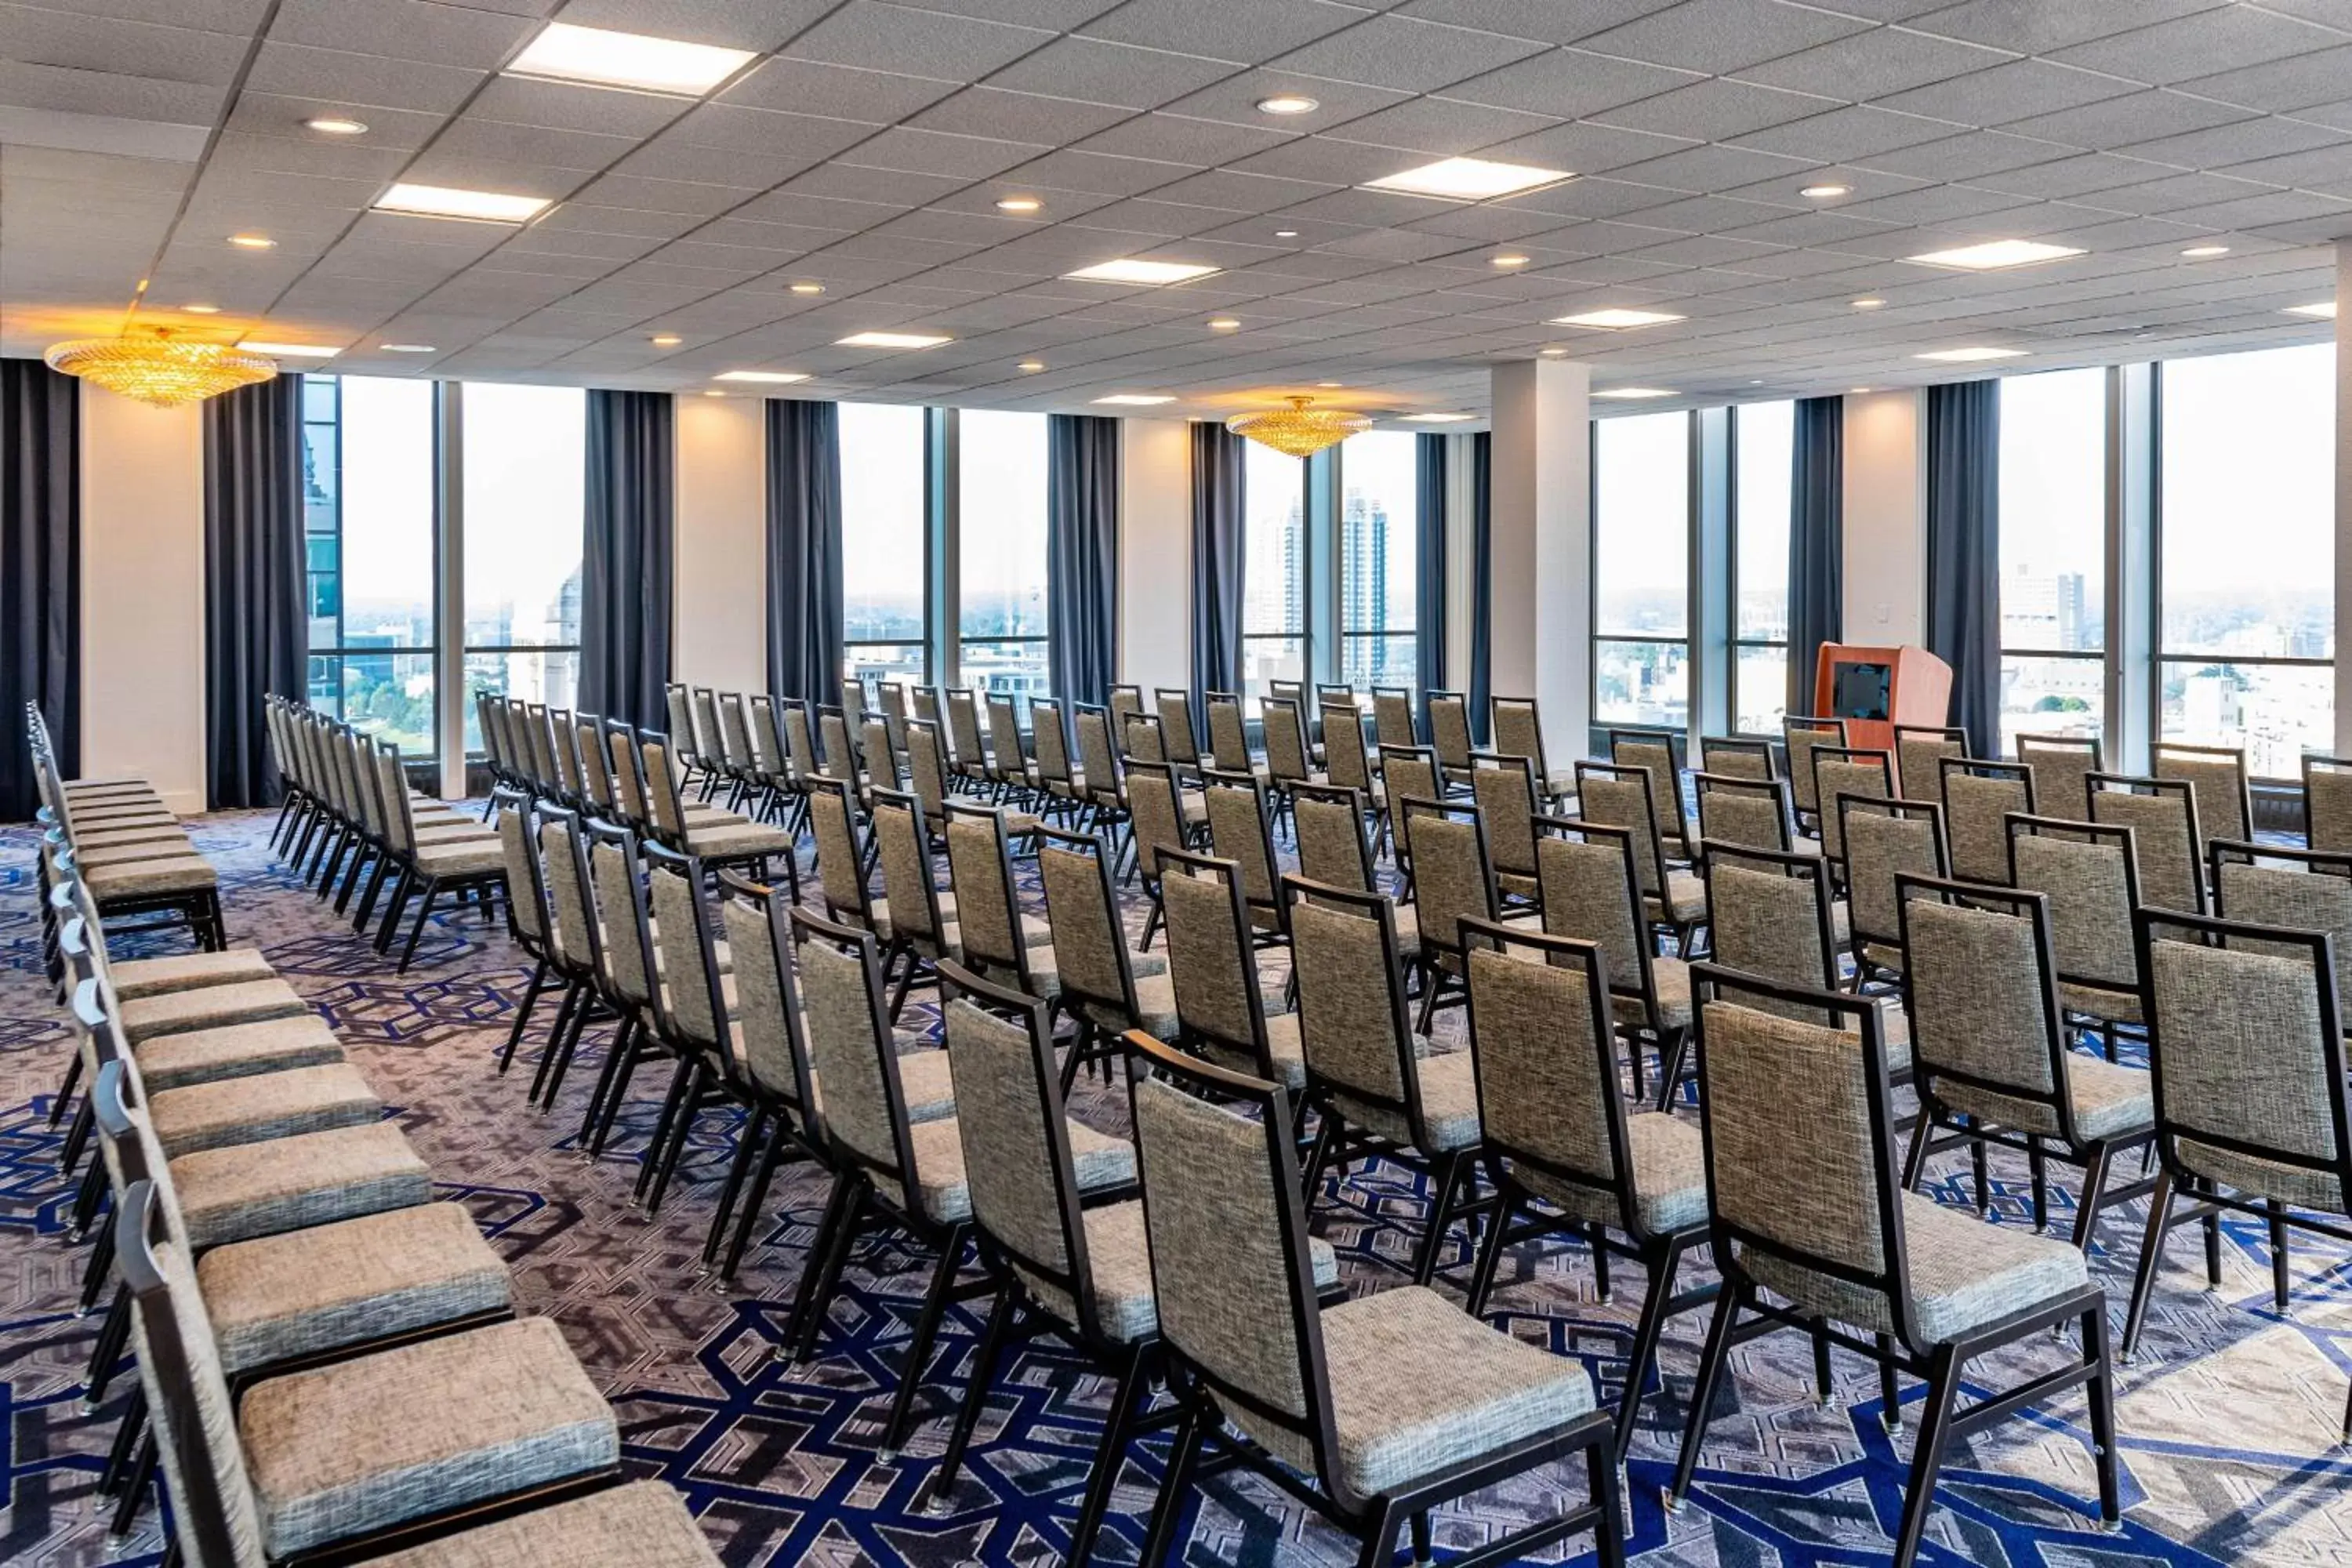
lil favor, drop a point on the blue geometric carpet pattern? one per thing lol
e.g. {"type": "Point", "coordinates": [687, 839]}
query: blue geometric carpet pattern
{"type": "Point", "coordinates": [2227, 1421]}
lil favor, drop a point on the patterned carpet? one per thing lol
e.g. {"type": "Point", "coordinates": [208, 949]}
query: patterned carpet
{"type": "Point", "coordinates": [2228, 1421]}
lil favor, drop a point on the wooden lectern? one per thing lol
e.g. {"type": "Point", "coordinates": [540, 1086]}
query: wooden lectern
{"type": "Point", "coordinates": [1876, 688]}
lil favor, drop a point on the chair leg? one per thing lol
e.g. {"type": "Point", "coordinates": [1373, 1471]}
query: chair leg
{"type": "Point", "coordinates": [133, 1500]}
{"type": "Point", "coordinates": [821, 1277]}
{"type": "Point", "coordinates": [127, 1433]}
{"type": "Point", "coordinates": [1379, 1540]}
{"type": "Point", "coordinates": [77, 1136]}
{"type": "Point", "coordinates": [1168, 1512]}
{"type": "Point", "coordinates": [919, 1348]}
{"type": "Point", "coordinates": [779, 1139]}
{"type": "Point", "coordinates": [423, 910]}
{"type": "Point", "coordinates": [1652, 1325]}
{"type": "Point", "coordinates": [1133, 1388]}
{"type": "Point", "coordinates": [1490, 1257]}
{"type": "Point", "coordinates": [746, 1145]}
{"type": "Point", "coordinates": [2095, 1193]}
{"type": "Point", "coordinates": [682, 1127]}
{"type": "Point", "coordinates": [1710, 1377]}
{"type": "Point", "coordinates": [2151, 1255]}
{"type": "Point", "coordinates": [1928, 1458]}
{"type": "Point", "coordinates": [65, 1090]}
{"type": "Point", "coordinates": [625, 1042]}
{"type": "Point", "coordinates": [2279, 1277]}
{"type": "Point", "coordinates": [2097, 1352]}
{"type": "Point", "coordinates": [1915, 1163]}
{"type": "Point", "coordinates": [569, 1003]}
{"type": "Point", "coordinates": [106, 1349]}
{"type": "Point", "coordinates": [618, 1096]}
{"type": "Point", "coordinates": [570, 1049]}
{"type": "Point", "coordinates": [1448, 1177]}
{"type": "Point", "coordinates": [975, 1397]}
{"type": "Point", "coordinates": [669, 1111]}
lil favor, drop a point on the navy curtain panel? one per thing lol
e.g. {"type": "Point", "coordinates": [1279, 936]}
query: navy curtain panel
{"type": "Point", "coordinates": [1482, 582]}
{"type": "Point", "coordinates": [255, 629]}
{"type": "Point", "coordinates": [1216, 560]}
{"type": "Point", "coordinates": [1429, 582]}
{"type": "Point", "coordinates": [40, 572]}
{"type": "Point", "coordinates": [1816, 541]}
{"type": "Point", "coordinates": [1082, 556]}
{"type": "Point", "coordinates": [805, 590]}
{"type": "Point", "coordinates": [624, 583]}
{"type": "Point", "coordinates": [1963, 553]}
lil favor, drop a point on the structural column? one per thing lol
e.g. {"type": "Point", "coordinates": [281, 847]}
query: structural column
{"type": "Point", "coordinates": [1886, 518]}
{"type": "Point", "coordinates": [1155, 554]}
{"type": "Point", "coordinates": [1541, 587]}
{"type": "Point", "coordinates": [720, 573]}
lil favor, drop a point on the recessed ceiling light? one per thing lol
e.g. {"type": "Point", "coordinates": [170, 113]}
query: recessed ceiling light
{"type": "Point", "coordinates": [1285, 234]}
{"type": "Point", "coordinates": [667, 341]}
{"type": "Point", "coordinates": [1437, 419]}
{"type": "Point", "coordinates": [892, 340]}
{"type": "Point", "coordinates": [1995, 253]}
{"type": "Point", "coordinates": [1631, 393]}
{"type": "Point", "coordinates": [765, 377]}
{"type": "Point", "coordinates": [1824, 193]}
{"type": "Point", "coordinates": [253, 242]}
{"type": "Point", "coordinates": [1513, 260]}
{"type": "Point", "coordinates": [291, 350]}
{"type": "Point", "coordinates": [2200, 252]}
{"type": "Point", "coordinates": [1858, 390]}
{"type": "Point", "coordinates": [603, 57]}
{"type": "Point", "coordinates": [1971, 355]}
{"type": "Point", "coordinates": [1872, 304]}
{"type": "Point", "coordinates": [201, 310]}
{"type": "Point", "coordinates": [1126, 270]}
{"type": "Point", "coordinates": [1469, 179]}
{"type": "Point", "coordinates": [1287, 103]}
{"type": "Point", "coordinates": [1137, 399]}
{"type": "Point", "coordinates": [712, 392]}
{"type": "Point", "coordinates": [1019, 204]}
{"type": "Point", "coordinates": [1328, 386]}
{"type": "Point", "coordinates": [1030, 366]}
{"type": "Point", "coordinates": [446, 201]}
{"type": "Point", "coordinates": [331, 125]}
{"type": "Point", "coordinates": [1223, 325]}
{"type": "Point", "coordinates": [1554, 354]}
{"type": "Point", "coordinates": [1615, 320]}
{"type": "Point", "coordinates": [808, 287]}
{"type": "Point", "coordinates": [2324, 310]}
{"type": "Point", "coordinates": [406, 348]}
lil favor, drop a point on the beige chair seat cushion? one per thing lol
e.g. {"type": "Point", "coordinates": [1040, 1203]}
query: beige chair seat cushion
{"type": "Point", "coordinates": [453, 830]}
{"type": "Point", "coordinates": [206, 1056]}
{"type": "Point", "coordinates": [464, 858]}
{"type": "Point", "coordinates": [1099, 1160]}
{"type": "Point", "coordinates": [1119, 1258]}
{"type": "Point", "coordinates": [1685, 899]}
{"type": "Point", "coordinates": [419, 1431]}
{"type": "Point", "coordinates": [100, 857]}
{"type": "Point", "coordinates": [267, 1105]}
{"type": "Point", "coordinates": [1669, 1159]}
{"type": "Point", "coordinates": [2253, 1175]}
{"type": "Point", "coordinates": [923, 1078]}
{"type": "Point", "coordinates": [1155, 1000]}
{"type": "Point", "coordinates": [105, 845]}
{"type": "Point", "coordinates": [1449, 1105]}
{"type": "Point", "coordinates": [1965, 1273]}
{"type": "Point", "coordinates": [1420, 1386]}
{"type": "Point", "coordinates": [740, 837]}
{"type": "Point", "coordinates": [643, 1524]}
{"type": "Point", "coordinates": [1670, 977]}
{"type": "Point", "coordinates": [1282, 1044]}
{"type": "Point", "coordinates": [116, 784]}
{"type": "Point", "coordinates": [2110, 1100]}
{"type": "Point", "coordinates": [138, 978]}
{"type": "Point", "coordinates": [282, 1296]}
{"type": "Point", "coordinates": [288, 1184]}
{"type": "Point", "coordinates": [2098, 1002]}
{"type": "Point", "coordinates": [210, 1007]}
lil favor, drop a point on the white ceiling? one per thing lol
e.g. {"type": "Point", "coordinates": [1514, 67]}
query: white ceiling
{"type": "Point", "coordinates": [868, 146]}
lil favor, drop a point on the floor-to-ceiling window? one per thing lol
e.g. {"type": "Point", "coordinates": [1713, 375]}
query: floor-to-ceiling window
{"type": "Point", "coordinates": [1640, 569]}
{"type": "Point", "coordinates": [525, 477]}
{"type": "Point", "coordinates": [1273, 569]}
{"type": "Point", "coordinates": [368, 453]}
{"type": "Point", "coordinates": [1000, 554]}
{"type": "Point", "coordinates": [2053, 577]}
{"type": "Point", "coordinates": [884, 535]}
{"type": "Point", "coordinates": [1763, 442]}
{"type": "Point", "coordinates": [1380, 498]}
{"type": "Point", "coordinates": [2246, 565]}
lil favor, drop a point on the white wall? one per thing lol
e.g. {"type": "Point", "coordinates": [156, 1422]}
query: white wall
{"type": "Point", "coordinates": [1886, 518]}
{"type": "Point", "coordinates": [1155, 553]}
{"type": "Point", "coordinates": [142, 595]}
{"type": "Point", "coordinates": [718, 624]}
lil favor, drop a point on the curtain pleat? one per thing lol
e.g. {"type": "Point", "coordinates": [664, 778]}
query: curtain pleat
{"type": "Point", "coordinates": [40, 572]}
{"type": "Point", "coordinates": [255, 632]}
{"type": "Point", "coordinates": [1082, 556]}
{"type": "Point", "coordinates": [804, 585]}
{"type": "Point", "coordinates": [1429, 581]}
{"type": "Point", "coordinates": [626, 579]}
{"type": "Point", "coordinates": [1816, 541]}
{"type": "Point", "coordinates": [1481, 584]}
{"type": "Point", "coordinates": [1217, 559]}
{"type": "Point", "coordinates": [1963, 551]}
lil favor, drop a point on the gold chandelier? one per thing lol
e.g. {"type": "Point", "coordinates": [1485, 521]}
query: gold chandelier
{"type": "Point", "coordinates": [1300, 431]}
{"type": "Point", "coordinates": [158, 369]}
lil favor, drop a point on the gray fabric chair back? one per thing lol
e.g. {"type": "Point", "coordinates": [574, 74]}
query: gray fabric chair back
{"type": "Point", "coordinates": [881, 756]}
{"type": "Point", "coordinates": [988, 910]}
{"type": "Point", "coordinates": [1139, 739]}
{"type": "Point", "coordinates": [1327, 824]}
{"type": "Point", "coordinates": [1546, 1057]}
{"type": "Point", "coordinates": [735, 732]}
{"type": "Point", "coordinates": [1919, 757]}
{"type": "Point", "coordinates": [1049, 740]}
{"type": "Point", "coordinates": [2327, 803]}
{"type": "Point", "coordinates": [2218, 774]}
{"type": "Point", "coordinates": [800, 743]}
{"type": "Point", "coordinates": [1096, 758]}
{"type": "Point", "coordinates": [1346, 762]}
{"type": "Point", "coordinates": [1240, 831]}
{"type": "Point", "coordinates": [1505, 789]}
{"type": "Point", "coordinates": [927, 704]}
{"type": "Point", "coordinates": [1228, 736]}
{"type": "Point", "coordinates": [709, 738]}
{"type": "Point", "coordinates": [1837, 773]}
{"type": "Point", "coordinates": [1984, 1002]}
{"type": "Point", "coordinates": [1751, 811]}
{"type": "Point", "coordinates": [927, 767]}
{"type": "Point", "coordinates": [2092, 876]}
{"type": "Point", "coordinates": [1885, 840]}
{"type": "Point", "coordinates": [970, 754]}
{"type": "Point", "coordinates": [775, 1058]}
{"type": "Point", "coordinates": [1590, 895]}
{"type": "Point", "coordinates": [1620, 797]}
{"type": "Point", "coordinates": [1011, 759]}
{"type": "Point", "coordinates": [2062, 766]}
{"type": "Point", "coordinates": [1174, 708]}
{"type": "Point", "coordinates": [587, 745]}
{"type": "Point", "coordinates": [629, 774]}
{"type": "Point", "coordinates": [625, 947]}
{"type": "Point", "coordinates": [1769, 915]}
{"type": "Point", "coordinates": [1123, 701]}
{"type": "Point", "coordinates": [1157, 816]}
{"type": "Point", "coordinates": [893, 713]}
{"type": "Point", "coordinates": [1802, 735]}
{"type": "Point", "coordinates": [1517, 729]}
{"type": "Point", "coordinates": [681, 717]}
{"type": "Point", "coordinates": [1408, 772]}
{"type": "Point", "coordinates": [840, 864]}
{"type": "Point", "coordinates": [902, 848]}
{"type": "Point", "coordinates": [1727, 756]}
{"type": "Point", "coordinates": [567, 760]}
{"type": "Point", "coordinates": [1210, 964]}
{"type": "Point", "coordinates": [660, 783]}
{"type": "Point", "coordinates": [1452, 876]}
{"type": "Point", "coordinates": [691, 995]}
{"type": "Point", "coordinates": [1089, 939]}
{"type": "Point", "coordinates": [840, 753]}
{"type": "Point", "coordinates": [1660, 756]}
{"type": "Point", "coordinates": [1978, 798]}
{"type": "Point", "coordinates": [2162, 815]}
{"type": "Point", "coordinates": [1353, 1026]}
{"type": "Point", "coordinates": [850, 1043]}
{"type": "Point", "coordinates": [1449, 730]}
{"type": "Point", "coordinates": [562, 871]}
{"type": "Point", "coordinates": [1392, 716]}
{"type": "Point", "coordinates": [1284, 723]}
{"type": "Point", "coordinates": [2301, 889]}
{"type": "Point", "coordinates": [522, 869]}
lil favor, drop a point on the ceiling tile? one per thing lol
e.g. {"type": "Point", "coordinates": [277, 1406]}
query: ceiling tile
{"type": "Point", "coordinates": [1409, 56]}
{"type": "Point", "coordinates": [2226, 38]}
{"type": "Point", "coordinates": [1572, 84]}
{"type": "Point", "coordinates": [1017, 116]}
{"type": "Point", "coordinates": [1248, 31]}
{"type": "Point", "coordinates": [2007, 92]}
{"type": "Point", "coordinates": [404, 30]}
{"type": "Point", "coordinates": [294, 70]}
{"type": "Point", "coordinates": [729, 23]}
{"type": "Point", "coordinates": [1716, 109]}
{"type": "Point", "coordinates": [840, 92]}
{"type": "Point", "coordinates": [876, 36]}
{"type": "Point", "coordinates": [1100, 71]}
{"type": "Point", "coordinates": [1719, 35]}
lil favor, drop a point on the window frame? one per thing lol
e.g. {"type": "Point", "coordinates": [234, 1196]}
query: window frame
{"type": "Point", "coordinates": [1598, 724]}
{"type": "Point", "coordinates": [1383, 632]}
{"type": "Point", "coordinates": [1307, 579]}
{"type": "Point", "coordinates": [1736, 643]}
